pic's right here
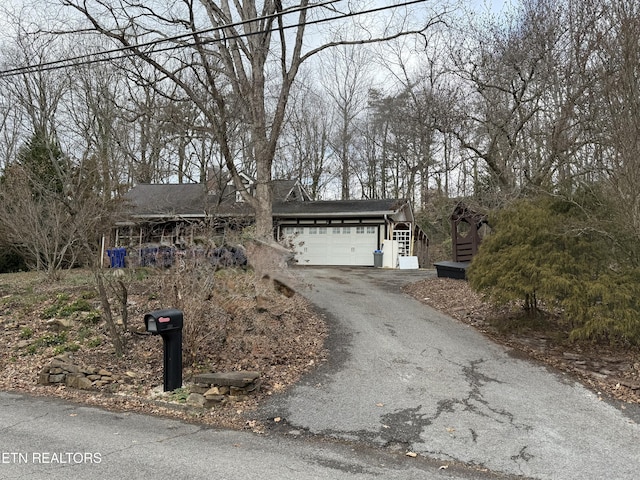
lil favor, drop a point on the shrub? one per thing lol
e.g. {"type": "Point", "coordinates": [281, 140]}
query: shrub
{"type": "Point", "coordinates": [94, 342]}
{"type": "Point", "coordinates": [80, 305]}
{"type": "Point", "coordinates": [527, 258]}
{"type": "Point", "coordinates": [550, 252]}
{"type": "Point", "coordinates": [26, 333]}
{"type": "Point", "coordinates": [51, 340]}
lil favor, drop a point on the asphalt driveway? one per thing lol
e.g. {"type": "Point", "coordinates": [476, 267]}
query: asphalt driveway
{"type": "Point", "coordinates": [406, 377]}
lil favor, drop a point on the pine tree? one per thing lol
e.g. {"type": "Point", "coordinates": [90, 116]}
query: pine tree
{"type": "Point", "coordinates": [42, 160]}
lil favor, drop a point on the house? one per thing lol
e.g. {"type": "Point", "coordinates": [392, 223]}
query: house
{"type": "Point", "coordinates": [331, 232]}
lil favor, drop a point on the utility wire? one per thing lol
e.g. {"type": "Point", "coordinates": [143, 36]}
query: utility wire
{"type": "Point", "coordinates": [133, 50]}
{"type": "Point", "coordinates": [87, 58]}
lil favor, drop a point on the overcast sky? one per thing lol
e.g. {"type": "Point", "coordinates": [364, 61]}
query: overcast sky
{"type": "Point", "coordinates": [51, 15]}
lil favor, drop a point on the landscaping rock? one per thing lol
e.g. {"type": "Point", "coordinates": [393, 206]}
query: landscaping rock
{"type": "Point", "coordinates": [196, 400]}
{"type": "Point", "coordinates": [79, 381]}
{"type": "Point", "coordinates": [225, 387]}
{"type": "Point", "coordinates": [229, 379]}
{"type": "Point", "coordinates": [62, 370]}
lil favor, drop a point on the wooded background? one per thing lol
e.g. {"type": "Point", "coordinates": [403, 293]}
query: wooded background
{"type": "Point", "coordinates": [428, 101]}
{"type": "Point", "coordinates": [542, 96]}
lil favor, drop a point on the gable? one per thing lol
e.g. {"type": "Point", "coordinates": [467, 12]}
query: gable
{"type": "Point", "coordinates": [289, 191]}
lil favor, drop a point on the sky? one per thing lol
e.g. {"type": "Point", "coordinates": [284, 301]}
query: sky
{"type": "Point", "coordinates": [494, 6]}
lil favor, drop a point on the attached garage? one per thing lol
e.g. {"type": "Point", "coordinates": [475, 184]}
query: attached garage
{"type": "Point", "coordinates": [336, 245]}
{"type": "Point", "coordinates": [340, 232]}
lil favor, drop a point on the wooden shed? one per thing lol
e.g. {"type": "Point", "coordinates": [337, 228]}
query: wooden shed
{"type": "Point", "coordinates": [467, 227]}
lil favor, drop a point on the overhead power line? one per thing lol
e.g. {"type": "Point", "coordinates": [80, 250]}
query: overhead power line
{"type": "Point", "coordinates": [133, 50]}
{"type": "Point", "coordinates": [128, 50]}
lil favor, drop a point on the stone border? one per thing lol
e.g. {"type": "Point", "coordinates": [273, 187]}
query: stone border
{"type": "Point", "coordinates": [211, 389]}
{"type": "Point", "coordinates": [63, 371]}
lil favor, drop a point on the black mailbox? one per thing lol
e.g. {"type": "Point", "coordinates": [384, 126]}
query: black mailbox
{"type": "Point", "coordinates": [168, 324]}
{"type": "Point", "coordinates": [161, 321]}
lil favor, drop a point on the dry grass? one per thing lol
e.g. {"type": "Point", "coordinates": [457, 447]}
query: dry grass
{"type": "Point", "coordinates": [224, 330]}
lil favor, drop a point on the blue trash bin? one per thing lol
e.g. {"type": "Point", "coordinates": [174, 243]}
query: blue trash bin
{"type": "Point", "coordinates": [116, 257]}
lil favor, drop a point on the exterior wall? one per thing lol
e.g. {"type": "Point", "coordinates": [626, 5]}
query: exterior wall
{"type": "Point", "coordinates": [337, 250]}
{"type": "Point", "coordinates": [379, 223]}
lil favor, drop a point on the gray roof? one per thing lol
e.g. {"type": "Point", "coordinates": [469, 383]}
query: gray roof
{"type": "Point", "coordinates": [193, 200]}
{"type": "Point", "coordinates": [162, 200]}
{"type": "Point", "coordinates": [331, 208]}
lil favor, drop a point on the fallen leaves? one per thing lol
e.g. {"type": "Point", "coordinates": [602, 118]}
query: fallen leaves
{"type": "Point", "coordinates": [602, 368]}
{"type": "Point", "coordinates": [282, 343]}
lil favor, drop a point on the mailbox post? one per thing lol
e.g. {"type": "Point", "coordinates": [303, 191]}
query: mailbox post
{"type": "Point", "coordinates": [168, 324]}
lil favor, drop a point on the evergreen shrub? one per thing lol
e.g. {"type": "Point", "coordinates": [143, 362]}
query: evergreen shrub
{"type": "Point", "coordinates": [552, 254]}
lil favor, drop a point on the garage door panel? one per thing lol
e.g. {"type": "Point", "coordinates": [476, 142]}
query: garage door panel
{"type": "Point", "coordinates": [344, 245]}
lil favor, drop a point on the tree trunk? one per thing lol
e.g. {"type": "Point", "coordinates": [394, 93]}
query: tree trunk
{"type": "Point", "coordinates": [107, 315]}
{"type": "Point", "coordinates": [264, 212]}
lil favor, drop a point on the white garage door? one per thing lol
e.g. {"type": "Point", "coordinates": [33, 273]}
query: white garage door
{"type": "Point", "coordinates": [343, 245]}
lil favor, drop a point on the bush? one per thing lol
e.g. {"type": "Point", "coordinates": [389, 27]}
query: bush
{"type": "Point", "coordinates": [64, 308]}
{"type": "Point", "coordinates": [608, 308]}
{"type": "Point", "coordinates": [526, 258]}
{"type": "Point", "coordinates": [26, 333]}
{"type": "Point", "coordinates": [548, 252]}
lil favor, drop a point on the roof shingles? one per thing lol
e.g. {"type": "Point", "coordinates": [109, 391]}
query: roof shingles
{"type": "Point", "coordinates": [188, 199]}
{"type": "Point", "coordinates": [192, 200]}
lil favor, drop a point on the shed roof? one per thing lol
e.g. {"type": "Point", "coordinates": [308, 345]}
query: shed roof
{"type": "Point", "coordinates": [338, 208]}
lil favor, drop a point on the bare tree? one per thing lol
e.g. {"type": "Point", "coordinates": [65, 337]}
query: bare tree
{"type": "Point", "coordinates": [36, 228]}
{"type": "Point", "coordinates": [11, 121]}
{"type": "Point", "coordinates": [304, 154]}
{"type": "Point", "coordinates": [346, 71]}
{"type": "Point", "coordinates": [245, 57]}
{"type": "Point", "coordinates": [53, 215]}
{"type": "Point", "coordinates": [372, 148]}
{"type": "Point", "coordinates": [97, 124]}
{"type": "Point", "coordinates": [616, 118]}
{"type": "Point", "coordinates": [146, 128]}
{"type": "Point", "coordinates": [504, 67]}
{"type": "Point", "coordinates": [530, 79]}
{"type": "Point", "coordinates": [38, 95]}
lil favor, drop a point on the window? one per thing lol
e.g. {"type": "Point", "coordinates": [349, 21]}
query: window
{"type": "Point", "coordinates": [322, 230]}
{"type": "Point", "coordinates": [371, 229]}
{"type": "Point", "coordinates": [346, 230]}
{"type": "Point", "coordinates": [313, 230]}
{"type": "Point", "coordinates": [288, 230]}
{"type": "Point", "coordinates": [359, 230]}
{"type": "Point", "coordinates": [336, 230]}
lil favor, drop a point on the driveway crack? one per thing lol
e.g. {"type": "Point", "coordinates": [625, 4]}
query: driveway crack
{"type": "Point", "coordinates": [476, 381]}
